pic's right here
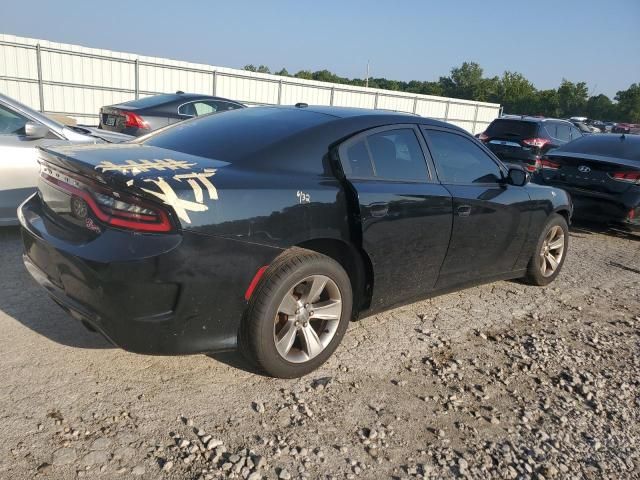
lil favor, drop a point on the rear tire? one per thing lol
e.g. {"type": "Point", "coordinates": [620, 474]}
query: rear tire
{"type": "Point", "coordinates": [297, 314]}
{"type": "Point", "coordinates": [551, 250]}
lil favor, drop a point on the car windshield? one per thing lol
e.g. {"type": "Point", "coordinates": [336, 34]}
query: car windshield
{"type": "Point", "coordinates": [236, 133]}
{"type": "Point", "coordinates": [507, 128]}
{"type": "Point", "coordinates": [617, 146]}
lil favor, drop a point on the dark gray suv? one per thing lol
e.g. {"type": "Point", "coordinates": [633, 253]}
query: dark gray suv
{"type": "Point", "coordinates": [524, 140]}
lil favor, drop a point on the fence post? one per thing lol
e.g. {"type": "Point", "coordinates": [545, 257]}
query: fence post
{"type": "Point", "coordinates": [214, 81]}
{"type": "Point", "coordinates": [375, 103]}
{"type": "Point", "coordinates": [415, 104]}
{"type": "Point", "coordinates": [446, 111]}
{"type": "Point", "coordinates": [40, 86]}
{"type": "Point", "coordinates": [136, 76]}
{"type": "Point", "coordinates": [475, 119]}
{"type": "Point", "coordinates": [333, 90]}
{"type": "Point", "coordinates": [279, 92]}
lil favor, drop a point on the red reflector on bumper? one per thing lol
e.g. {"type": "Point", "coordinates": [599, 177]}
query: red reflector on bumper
{"type": "Point", "coordinates": [254, 282]}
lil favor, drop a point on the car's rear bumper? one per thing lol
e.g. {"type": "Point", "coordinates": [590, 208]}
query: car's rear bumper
{"type": "Point", "coordinates": [622, 209]}
{"type": "Point", "coordinates": [155, 294]}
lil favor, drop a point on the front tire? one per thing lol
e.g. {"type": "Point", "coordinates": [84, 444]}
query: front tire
{"type": "Point", "coordinates": [297, 315]}
{"type": "Point", "coordinates": [551, 250]}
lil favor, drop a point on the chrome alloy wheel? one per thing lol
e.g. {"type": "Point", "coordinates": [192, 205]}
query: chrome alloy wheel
{"type": "Point", "coordinates": [307, 319]}
{"type": "Point", "coordinates": [552, 251]}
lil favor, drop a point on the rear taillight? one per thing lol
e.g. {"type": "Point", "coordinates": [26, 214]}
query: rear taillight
{"type": "Point", "coordinates": [547, 164]}
{"type": "Point", "coordinates": [110, 207]}
{"type": "Point", "coordinates": [135, 121]}
{"type": "Point", "coordinates": [628, 177]}
{"type": "Point", "coordinates": [533, 168]}
{"type": "Point", "coordinates": [483, 137]}
{"type": "Point", "coordinates": [536, 142]}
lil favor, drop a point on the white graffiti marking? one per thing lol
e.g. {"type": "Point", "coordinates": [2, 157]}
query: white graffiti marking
{"type": "Point", "coordinates": [169, 196]}
{"type": "Point", "coordinates": [142, 166]}
{"type": "Point", "coordinates": [192, 180]}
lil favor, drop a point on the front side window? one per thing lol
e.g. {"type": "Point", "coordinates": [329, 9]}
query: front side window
{"type": "Point", "coordinates": [460, 160]}
{"type": "Point", "coordinates": [11, 123]}
{"type": "Point", "coordinates": [389, 155]}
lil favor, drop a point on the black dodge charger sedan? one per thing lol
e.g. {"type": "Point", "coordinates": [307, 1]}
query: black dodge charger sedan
{"type": "Point", "coordinates": [268, 229]}
{"type": "Point", "coordinates": [602, 175]}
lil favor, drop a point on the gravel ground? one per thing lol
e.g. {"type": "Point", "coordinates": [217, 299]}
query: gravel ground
{"type": "Point", "coordinates": [498, 381]}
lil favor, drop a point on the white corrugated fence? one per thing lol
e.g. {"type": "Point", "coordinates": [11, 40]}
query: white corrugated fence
{"type": "Point", "coordinates": [77, 81]}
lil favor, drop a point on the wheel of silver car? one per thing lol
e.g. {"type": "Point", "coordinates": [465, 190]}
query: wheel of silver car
{"type": "Point", "coordinates": [297, 314]}
{"type": "Point", "coordinates": [307, 318]}
{"type": "Point", "coordinates": [552, 251]}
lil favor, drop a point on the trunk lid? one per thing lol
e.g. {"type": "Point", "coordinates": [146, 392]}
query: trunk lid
{"type": "Point", "coordinates": [131, 186]}
{"type": "Point", "coordinates": [591, 173]}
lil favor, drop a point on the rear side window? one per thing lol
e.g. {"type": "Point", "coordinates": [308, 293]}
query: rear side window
{"type": "Point", "coordinates": [205, 107]}
{"type": "Point", "coordinates": [512, 129]}
{"type": "Point", "coordinates": [563, 132]}
{"type": "Point", "coordinates": [390, 155]}
{"type": "Point", "coordinates": [235, 134]}
{"type": "Point", "coordinates": [576, 132]}
{"type": "Point", "coordinates": [460, 160]}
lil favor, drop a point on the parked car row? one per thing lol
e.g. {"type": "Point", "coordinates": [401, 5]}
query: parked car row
{"type": "Point", "coordinates": [601, 172]}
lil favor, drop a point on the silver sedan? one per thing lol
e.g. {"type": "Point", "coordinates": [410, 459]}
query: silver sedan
{"type": "Point", "coordinates": [22, 130]}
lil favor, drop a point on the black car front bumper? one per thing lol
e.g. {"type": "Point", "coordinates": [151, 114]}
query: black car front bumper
{"type": "Point", "coordinates": [147, 293]}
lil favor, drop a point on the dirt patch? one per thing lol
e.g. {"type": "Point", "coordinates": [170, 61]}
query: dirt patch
{"type": "Point", "coordinates": [498, 381]}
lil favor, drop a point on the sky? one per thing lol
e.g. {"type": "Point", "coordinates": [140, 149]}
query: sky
{"type": "Point", "coordinates": [589, 40]}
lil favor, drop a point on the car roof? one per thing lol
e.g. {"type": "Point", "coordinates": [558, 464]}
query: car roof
{"type": "Point", "coordinates": [385, 116]}
{"type": "Point", "coordinates": [171, 98]}
{"type": "Point", "coordinates": [531, 118]}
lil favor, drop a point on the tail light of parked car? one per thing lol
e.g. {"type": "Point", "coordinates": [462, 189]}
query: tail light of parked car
{"type": "Point", "coordinates": [536, 142]}
{"type": "Point", "coordinates": [135, 121]}
{"type": "Point", "coordinates": [110, 207]}
{"type": "Point", "coordinates": [547, 164]}
{"type": "Point", "coordinates": [628, 177]}
{"type": "Point", "coordinates": [535, 167]}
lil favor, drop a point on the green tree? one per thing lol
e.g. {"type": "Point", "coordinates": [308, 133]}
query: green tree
{"type": "Point", "coordinates": [283, 73]}
{"type": "Point", "coordinates": [515, 93]}
{"type": "Point", "coordinates": [306, 74]}
{"type": "Point", "coordinates": [259, 69]}
{"type": "Point", "coordinates": [572, 98]}
{"type": "Point", "coordinates": [546, 103]}
{"type": "Point", "coordinates": [629, 103]}
{"type": "Point", "coordinates": [466, 81]}
{"type": "Point", "coordinates": [600, 107]}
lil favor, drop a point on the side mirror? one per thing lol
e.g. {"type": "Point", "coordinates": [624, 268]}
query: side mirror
{"type": "Point", "coordinates": [34, 131]}
{"type": "Point", "coordinates": [518, 177]}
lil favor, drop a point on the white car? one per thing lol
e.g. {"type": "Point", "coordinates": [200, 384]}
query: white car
{"type": "Point", "coordinates": [22, 130]}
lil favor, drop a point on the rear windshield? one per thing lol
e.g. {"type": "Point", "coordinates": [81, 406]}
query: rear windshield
{"type": "Point", "coordinates": [152, 101]}
{"type": "Point", "coordinates": [616, 146]}
{"type": "Point", "coordinates": [234, 134]}
{"type": "Point", "coordinates": [504, 128]}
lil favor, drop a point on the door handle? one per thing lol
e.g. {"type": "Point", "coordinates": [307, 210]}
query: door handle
{"type": "Point", "coordinates": [464, 210]}
{"type": "Point", "coordinates": [379, 209]}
